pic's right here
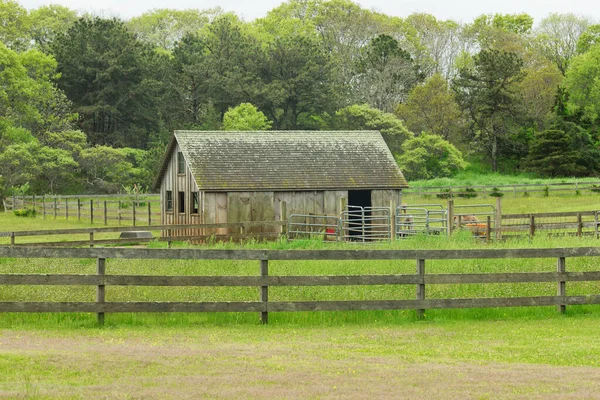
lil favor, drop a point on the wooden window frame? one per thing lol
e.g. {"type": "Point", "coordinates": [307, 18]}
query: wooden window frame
{"type": "Point", "coordinates": [180, 163]}
{"type": "Point", "coordinates": [194, 203]}
{"type": "Point", "coordinates": [169, 201]}
{"type": "Point", "coordinates": [181, 202]}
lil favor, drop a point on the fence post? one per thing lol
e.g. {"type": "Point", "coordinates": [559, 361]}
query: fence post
{"type": "Point", "coordinates": [450, 216]}
{"type": "Point", "coordinates": [149, 214]}
{"type": "Point", "coordinates": [531, 226]}
{"type": "Point", "coordinates": [100, 292]}
{"type": "Point", "coordinates": [579, 225]}
{"type": "Point", "coordinates": [284, 217]}
{"type": "Point", "coordinates": [105, 214]}
{"type": "Point", "coordinates": [78, 209]}
{"type": "Point", "coordinates": [562, 285]}
{"type": "Point", "coordinates": [91, 211]}
{"type": "Point", "coordinates": [55, 208]}
{"type": "Point", "coordinates": [44, 206]}
{"type": "Point", "coordinates": [498, 218]}
{"type": "Point", "coordinates": [12, 238]}
{"type": "Point", "coordinates": [421, 286]}
{"type": "Point", "coordinates": [33, 205]}
{"type": "Point", "coordinates": [488, 229]}
{"type": "Point", "coordinates": [67, 208]}
{"type": "Point", "coordinates": [119, 212]}
{"type": "Point", "coordinates": [133, 213]}
{"type": "Point", "coordinates": [92, 239]}
{"type": "Point", "coordinates": [264, 292]}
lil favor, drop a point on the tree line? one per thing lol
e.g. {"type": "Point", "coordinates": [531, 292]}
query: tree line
{"type": "Point", "coordinates": [88, 103]}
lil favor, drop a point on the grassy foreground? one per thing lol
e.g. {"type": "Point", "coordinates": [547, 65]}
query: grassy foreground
{"type": "Point", "coordinates": [477, 353]}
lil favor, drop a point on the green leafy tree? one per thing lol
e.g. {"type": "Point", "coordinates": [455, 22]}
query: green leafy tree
{"type": "Point", "coordinates": [563, 152]}
{"type": "Point", "coordinates": [507, 32]}
{"type": "Point", "coordinates": [432, 108]}
{"type": "Point", "coordinates": [165, 27]}
{"type": "Point", "coordinates": [589, 38]}
{"type": "Point", "coordinates": [429, 156]}
{"type": "Point", "coordinates": [49, 21]}
{"type": "Point", "coordinates": [486, 93]}
{"type": "Point", "coordinates": [583, 84]}
{"type": "Point", "coordinates": [537, 92]}
{"type": "Point", "coordinates": [28, 95]}
{"type": "Point", "coordinates": [14, 26]}
{"type": "Point", "coordinates": [557, 37]}
{"type": "Point", "coordinates": [434, 44]}
{"type": "Point", "coordinates": [55, 167]}
{"type": "Point", "coordinates": [297, 78]}
{"type": "Point", "coordinates": [386, 74]}
{"type": "Point", "coordinates": [364, 117]}
{"type": "Point", "coordinates": [245, 117]}
{"type": "Point", "coordinates": [104, 71]}
{"type": "Point", "coordinates": [106, 169]}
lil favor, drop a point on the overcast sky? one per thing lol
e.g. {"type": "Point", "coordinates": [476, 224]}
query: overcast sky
{"type": "Point", "coordinates": [458, 10]}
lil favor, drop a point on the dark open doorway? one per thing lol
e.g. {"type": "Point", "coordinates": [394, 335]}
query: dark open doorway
{"type": "Point", "coordinates": [360, 198]}
{"type": "Point", "coordinates": [358, 217]}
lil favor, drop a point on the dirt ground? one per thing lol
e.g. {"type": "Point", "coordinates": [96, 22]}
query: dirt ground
{"type": "Point", "coordinates": [182, 366]}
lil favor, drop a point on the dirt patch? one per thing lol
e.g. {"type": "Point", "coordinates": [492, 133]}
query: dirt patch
{"type": "Point", "coordinates": [184, 366]}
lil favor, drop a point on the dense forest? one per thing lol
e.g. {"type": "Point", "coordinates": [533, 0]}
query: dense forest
{"type": "Point", "coordinates": [87, 104]}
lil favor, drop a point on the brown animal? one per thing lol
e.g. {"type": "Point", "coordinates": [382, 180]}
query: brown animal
{"type": "Point", "coordinates": [465, 219]}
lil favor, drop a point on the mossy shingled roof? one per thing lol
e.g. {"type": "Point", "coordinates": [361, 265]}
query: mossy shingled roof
{"type": "Point", "coordinates": [287, 160]}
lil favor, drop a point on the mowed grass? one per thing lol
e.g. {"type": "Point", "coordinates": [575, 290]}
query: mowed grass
{"type": "Point", "coordinates": [472, 353]}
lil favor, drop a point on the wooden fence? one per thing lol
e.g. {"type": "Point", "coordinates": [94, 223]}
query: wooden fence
{"type": "Point", "coordinates": [106, 210]}
{"type": "Point", "coordinates": [263, 281]}
{"type": "Point", "coordinates": [578, 223]}
{"type": "Point", "coordinates": [241, 229]}
{"type": "Point", "coordinates": [549, 189]}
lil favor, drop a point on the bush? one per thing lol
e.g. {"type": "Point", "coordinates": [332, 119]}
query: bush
{"type": "Point", "coordinates": [429, 156]}
{"type": "Point", "coordinates": [496, 193]}
{"type": "Point", "coordinates": [468, 193]}
{"type": "Point", "coordinates": [445, 194]}
{"type": "Point", "coordinates": [25, 212]}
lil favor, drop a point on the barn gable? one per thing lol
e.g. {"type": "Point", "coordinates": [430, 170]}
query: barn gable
{"type": "Point", "coordinates": [286, 160]}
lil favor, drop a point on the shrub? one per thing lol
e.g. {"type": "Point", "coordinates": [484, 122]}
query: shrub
{"type": "Point", "coordinates": [496, 192]}
{"type": "Point", "coordinates": [25, 212]}
{"type": "Point", "coordinates": [468, 193]}
{"type": "Point", "coordinates": [429, 156]}
{"type": "Point", "coordinates": [445, 194]}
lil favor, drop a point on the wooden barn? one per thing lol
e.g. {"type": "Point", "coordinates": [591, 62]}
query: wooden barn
{"type": "Point", "coordinates": [226, 177]}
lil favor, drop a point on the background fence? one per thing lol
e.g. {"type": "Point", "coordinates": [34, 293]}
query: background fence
{"type": "Point", "coordinates": [544, 189]}
{"type": "Point", "coordinates": [106, 209]}
{"type": "Point", "coordinates": [263, 281]}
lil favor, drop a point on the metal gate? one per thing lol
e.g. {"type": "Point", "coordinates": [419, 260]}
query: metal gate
{"type": "Point", "coordinates": [366, 224]}
{"type": "Point", "coordinates": [474, 218]}
{"type": "Point", "coordinates": [428, 219]}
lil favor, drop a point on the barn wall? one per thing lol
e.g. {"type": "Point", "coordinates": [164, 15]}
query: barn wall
{"type": "Point", "coordinates": [179, 183]}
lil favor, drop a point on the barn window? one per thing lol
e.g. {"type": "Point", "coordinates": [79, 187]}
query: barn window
{"type": "Point", "coordinates": [169, 203]}
{"type": "Point", "coordinates": [180, 163]}
{"type": "Point", "coordinates": [181, 202]}
{"type": "Point", "coordinates": [194, 203]}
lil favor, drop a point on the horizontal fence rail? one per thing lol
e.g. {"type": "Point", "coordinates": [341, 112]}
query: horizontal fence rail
{"type": "Point", "coordinates": [263, 281]}
{"type": "Point", "coordinates": [543, 189]}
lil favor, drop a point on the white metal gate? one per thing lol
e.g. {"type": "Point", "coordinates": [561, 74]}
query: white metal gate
{"type": "Point", "coordinates": [423, 219]}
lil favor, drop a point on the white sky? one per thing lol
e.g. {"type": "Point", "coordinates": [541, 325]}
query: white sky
{"type": "Point", "coordinates": [458, 10]}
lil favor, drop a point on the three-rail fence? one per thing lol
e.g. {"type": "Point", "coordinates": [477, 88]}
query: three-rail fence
{"type": "Point", "coordinates": [263, 281]}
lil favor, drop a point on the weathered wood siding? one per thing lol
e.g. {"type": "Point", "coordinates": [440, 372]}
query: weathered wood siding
{"type": "Point", "coordinates": [179, 183]}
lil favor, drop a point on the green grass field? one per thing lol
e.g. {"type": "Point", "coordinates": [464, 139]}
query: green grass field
{"type": "Point", "coordinates": [473, 353]}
